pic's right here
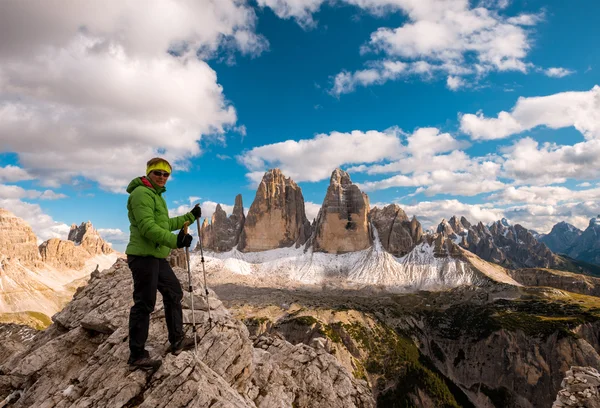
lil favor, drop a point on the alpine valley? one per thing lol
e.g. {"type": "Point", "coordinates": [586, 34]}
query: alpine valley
{"type": "Point", "coordinates": [358, 308]}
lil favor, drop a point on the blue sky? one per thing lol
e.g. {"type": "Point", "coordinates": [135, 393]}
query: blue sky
{"type": "Point", "coordinates": [486, 109]}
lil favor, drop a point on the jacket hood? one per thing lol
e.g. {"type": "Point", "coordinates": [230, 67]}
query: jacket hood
{"type": "Point", "coordinates": [144, 181]}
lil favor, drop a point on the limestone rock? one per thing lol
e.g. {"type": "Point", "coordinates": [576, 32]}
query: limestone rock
{"type": "Point", "coordinates": [283, 369]}
{"type": "Point", "coordinates": [397, 234]}
{"type": "Point", "coordinates": [14, 338]}
{"type": "Point", "coordinates": [223, 233]}
{"type": "Point", "coordinates": [206, 234]}
{"type": "Point", "coordinates": [342, 224]}
{"type": "Point", "coordinates": [177, 258]}
{"type": "Point", "coordinates": [17, 241]}
{"type": "Point", "coordinates": [276, 217]}
{"type": "Point", "coordinates": [561, 238]}
{"type": "Point", "coordinates": [83, 243]}
{"type": "Point", "coordinates": [579, 389]}
{"type": "Point", "coordinates": [507, 245]}
{"type": "Point", "coordinates": [587, 247]}
{"type": "Point", "coordinates": [88, 238]}
{"type": "Point", "coordinates": [63, 254]}
{"type": "Point", "coordinates": [81, 360]}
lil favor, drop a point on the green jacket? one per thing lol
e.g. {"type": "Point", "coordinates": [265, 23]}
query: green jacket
{"type": "Point", "coordinates": [150, 230]}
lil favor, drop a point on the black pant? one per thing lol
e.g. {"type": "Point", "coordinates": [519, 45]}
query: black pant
{"type": "Point", "coordinates": [151, 274]}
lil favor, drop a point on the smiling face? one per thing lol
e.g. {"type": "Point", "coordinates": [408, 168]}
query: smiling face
{"type": "Point", "coordinates": [158, 177]}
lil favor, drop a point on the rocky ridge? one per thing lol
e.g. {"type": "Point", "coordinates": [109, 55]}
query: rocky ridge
{"type": "Point", "coordinates": [81, 360]}
{"type": "Point", "coordinates": [276, 217]}
{"type": "Point", "coordinates": [587, 246]}
{"type": "Point", "coordinates": [223, 233]}
{"type": "Point", "coordinates": [342, 224]}
{"type": "Point", "coordinates": [39, 279]}
{"type": "Point", "coordinates": [561, 237]}
{"type": "Point", "coordinates": [580, 388]}
{"type": "Point", "coordinates": [510, 246]}
{"type": "Point", "coordinates": [398, 235]}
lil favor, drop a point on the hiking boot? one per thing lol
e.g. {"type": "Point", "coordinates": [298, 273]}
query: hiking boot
{"type": "Point", "coordinates": [144, 363]}
{"type": "Point", "coordinates": [186, 343]}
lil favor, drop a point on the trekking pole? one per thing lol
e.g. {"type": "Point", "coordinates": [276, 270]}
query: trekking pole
{"type": "Point", "coordinates": [204, 271]}
{"type": "Point", "coordinates": [190, 288]}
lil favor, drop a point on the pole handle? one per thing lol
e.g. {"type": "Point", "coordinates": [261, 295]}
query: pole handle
{"type": "Point", "coordinates": [185, 227]}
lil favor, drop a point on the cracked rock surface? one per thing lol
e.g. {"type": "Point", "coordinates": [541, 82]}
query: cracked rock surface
{"type": "Point", "coordinates": [81, 360]}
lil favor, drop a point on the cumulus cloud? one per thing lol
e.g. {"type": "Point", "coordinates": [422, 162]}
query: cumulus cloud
{"type": "Point", "coordinates": [578, 109]}
{"type": "Point", "coordinates": [526, 162]}
{"type": "Point", "coordinates": [300, 10]}
{"type": "Point", "coordinates": [315, 159]}
{"type": "Point", "coordinates": [540, 218]}
{"type": "Point", "coordinates": [16, 192]}
{"type": "Point", "coordinates": [93, 92]}
{"type": "Point", "coordinates": [558, 72]}
{"type": "Point", "coordinates": [312, 210]}
{"type": "Point", "coordinates": [114, 236]}
{"type": "Point", "coordinates": [431, 213]}
{"type": "Point", "coordinates": [549, 195]}
{"type": "Point", "coordinates": [43, 225]}
{"type": "Point", "coordinates": [479, 178]}
{"type": "Point", "coordinates": [454, 83]}
{"type": "Point", "coordinates": [13, 174]}
{"type": "Point", "coordinates": [378, 73]}
{"type": "Point", "coordinates": [450, 37]}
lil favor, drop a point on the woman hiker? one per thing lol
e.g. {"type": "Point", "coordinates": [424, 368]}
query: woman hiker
{"type": "Point", "coordinates": [150, 242]}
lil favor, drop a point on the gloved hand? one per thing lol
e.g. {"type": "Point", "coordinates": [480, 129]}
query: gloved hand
{"type": "Point", "coordinates": [196, 211]}
{"type": "Point", "coordinates": [184, 240]}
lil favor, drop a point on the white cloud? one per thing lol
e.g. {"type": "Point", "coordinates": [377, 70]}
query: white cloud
{"type": "Point", "coordinates": [17, 192]}
{"type": "Point", "coordinates": [527, 162]}
{"type": "Point", "coordinates": [430, 213]}
{"type": "Point", "coordinates": [549, 195]}
{"type": "Point", "coordinates": [114, 236]}
{"type": "Point", "coordinates": [12, 174]}
{"type": "Point", "coordinates": [454, 83]}
{"type": "Point", "coordinates": [457, 160]}
{"type": "Point", "coordinates": [429, 141]}
{"type": "Point", "coordinates": [312, 210]}
{"type": "Point", "coordinates": [450, 36]}
{"type": "Point", "coordinates": [479, 178]}
{"type": "Point", "coordinates": [315, 159]}
{"type": "Point", "coordinates": [540, 218]}
{"type": "Point", "coordinates": [300, 10]}
{"type": "Point", "coordinates": [42, 224]}
{"type": "Point", "coordinates": [378, 73]}
{"type": "Point", "coordinates": [578, 109]}
{"type": "Point", "coordinates": [558, 72]}
{"type": "Point", "coordinates": [586, 184]}
{"type": "Point", "coordinates": [208, 209]}
{"type": "Point", "coordinates": [83, 88]}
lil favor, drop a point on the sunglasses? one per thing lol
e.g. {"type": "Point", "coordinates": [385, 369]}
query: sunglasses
{"type": "Point", "coordinates": [160, 173]}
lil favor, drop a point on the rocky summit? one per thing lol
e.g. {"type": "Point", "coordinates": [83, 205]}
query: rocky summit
{"type": "Point", "coordinates": [395, 231]}
{"type": "Point", "coordinates": [223, 233]}
{"type": "Point", "coordinates": [18, 243]}
{"type": "Point", "coordinates": [42, 279]}
{"type": "Point", "coordinates": [81, 360]}
{"type": "Point", "coordinates": [276, 217]}
{"type": "Point", "coordinates": [342, 224]}
{"type": "Point", "coordinates": [501, 243]}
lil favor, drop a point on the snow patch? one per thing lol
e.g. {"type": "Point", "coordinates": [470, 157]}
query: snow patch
{"type": "Point", "coordinates": [418, 270]}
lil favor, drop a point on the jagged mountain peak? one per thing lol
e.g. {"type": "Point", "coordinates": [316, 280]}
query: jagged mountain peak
{"type": "Point", "coordinates": [277, 216]}
{"type": "Point", "coordinates": [339, 176]}
{"type": "Point", "coordinates": [342, 224]}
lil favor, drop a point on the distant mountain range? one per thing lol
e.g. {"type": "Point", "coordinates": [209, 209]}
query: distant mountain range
{"type": "Point", "coordinates": [571, 241]}
{"type": "Point", "coordinates": [42, 279]}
